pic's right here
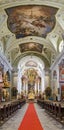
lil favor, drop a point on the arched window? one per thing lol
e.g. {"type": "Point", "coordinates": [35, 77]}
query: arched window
{"type": "Point", "coordinates": [61, 46]}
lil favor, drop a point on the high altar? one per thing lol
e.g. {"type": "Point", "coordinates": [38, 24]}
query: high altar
{"type": "Point", "coordinates": [31, 95]}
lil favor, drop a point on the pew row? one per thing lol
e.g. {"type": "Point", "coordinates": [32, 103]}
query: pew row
{"type": "Point", "coordinates": [55, 109]}
{"type": "Point", "coordinates": [8, 109]}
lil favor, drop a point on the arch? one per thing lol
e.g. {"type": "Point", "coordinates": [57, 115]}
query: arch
{"type": "Point", "coordinates": [22, 69]}
{"type": "Point", "coordinates": [42, 57]}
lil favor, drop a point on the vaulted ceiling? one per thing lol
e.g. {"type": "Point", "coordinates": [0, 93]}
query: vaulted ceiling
{"type": "Point", "coordinates": [31, 28]}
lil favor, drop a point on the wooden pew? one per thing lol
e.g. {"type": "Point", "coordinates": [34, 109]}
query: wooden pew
{"type": "Point", "coordinates": [55, 109]}
{"type": "Point", "coordinates": [8, 109]}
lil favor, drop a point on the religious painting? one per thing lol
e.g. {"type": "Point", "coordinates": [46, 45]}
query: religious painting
{"type": "Point", "coordinates": [62, 92]}
{"type": "Point", "coordinates": [61, 71]}
{"type": "Point", "coordinates": [61, 78]}
{"type": "Point", "coordinates": [31, 47]}
{"type": "Point", "coordinates": [31, 74]}
{"type": "Point", "coordinates": [31, 63]}
{"type": "Point", "coordinates": [31, 20]}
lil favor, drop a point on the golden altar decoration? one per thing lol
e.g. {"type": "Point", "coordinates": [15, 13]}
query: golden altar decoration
{"type": "Point", "coordinates": [31, 96]}
{"type": "Point", "coordinates": [5, 81]}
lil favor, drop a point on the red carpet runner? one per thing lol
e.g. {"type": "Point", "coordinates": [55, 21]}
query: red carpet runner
{"type": "Point", "coordinates": [30, 120]}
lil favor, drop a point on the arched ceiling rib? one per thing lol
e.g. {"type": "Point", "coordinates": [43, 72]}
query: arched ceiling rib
{"type": "Point", "coordinates": [47, 63]}
{"type": "Point", "coordinates": [14, 43]}
{"type": "Point", "coordinates": [12, 3]}
{"type": "Point", "coordinates": [31, 62]}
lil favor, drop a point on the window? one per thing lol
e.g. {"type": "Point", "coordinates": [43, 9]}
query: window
{"type": "Point", "coordinates": [61, 46]}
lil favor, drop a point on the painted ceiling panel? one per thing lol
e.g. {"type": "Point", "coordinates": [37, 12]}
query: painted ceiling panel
{"type": "Point", "coordinates": [31, 20]}
{"type": "Point", "coordinates": [31, 47]}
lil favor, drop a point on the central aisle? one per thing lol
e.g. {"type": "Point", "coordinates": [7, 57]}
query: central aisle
{"type": "Point", "coordinates": [30, 120]}
{"type": "Point", "coordinates": [47, 122]}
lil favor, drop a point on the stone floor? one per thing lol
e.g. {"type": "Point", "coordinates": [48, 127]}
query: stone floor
{"type": "Point", "coordinates": [48, 123]}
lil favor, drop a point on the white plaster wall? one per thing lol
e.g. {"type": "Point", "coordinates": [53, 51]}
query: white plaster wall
{"type": "Point", "coordinates": [43, 81]}
{"type": "Point", "coordinates": [47, 81]}
{"type": "Point", "coordinates": [19, 84]}
{"type": "Point", "coordinates": [6, 64]}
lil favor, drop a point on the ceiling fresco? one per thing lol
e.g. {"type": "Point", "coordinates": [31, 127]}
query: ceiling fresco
{"type": "Point", "coordinates": [31, 47]}
{"type": "Point", "coordinates": [31, 20]}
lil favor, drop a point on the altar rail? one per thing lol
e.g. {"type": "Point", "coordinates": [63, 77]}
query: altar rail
{"type": "Point", "coordinates": [8, 109]}
{"type": "Point", "coordinates": [55, 109]}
